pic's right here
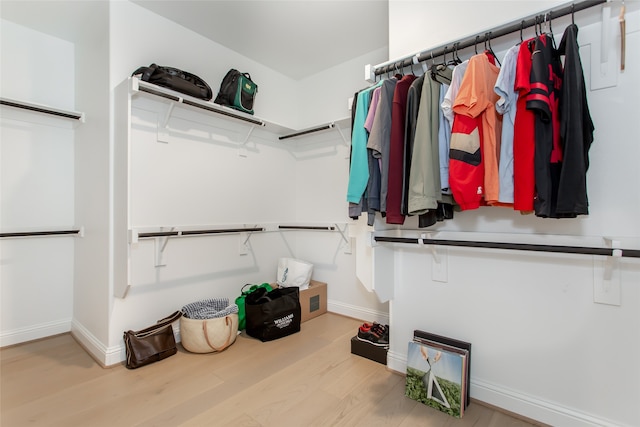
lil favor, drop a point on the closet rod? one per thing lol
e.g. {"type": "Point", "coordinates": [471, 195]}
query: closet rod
{"type": "Point", "coordinates": [304, 227]}
{"type": "Point", "coordinates": [513, 27]}
{"type": "Point", "coordinates": [308, 131]}
{"type": "Point", "coordinates": [38, 233]}
{"type": "Point", "coordinates": [200, 105]}
{"type": "Point", "coordinates": [197, 232]}
{"type": "Point", "coordinates": [41, 109]}
{"type": "Point", "coordinates": [583, 250]}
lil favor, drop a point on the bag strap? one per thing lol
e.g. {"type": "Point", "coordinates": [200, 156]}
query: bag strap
{"type": "Point", "coordinates": [162, 323]}
{"type": "Point", "coordinates": [251, 289]}
{"type": "Point", "coordinates": [226, 344]}
{"type": "Point", "coordinates": [146, 72]}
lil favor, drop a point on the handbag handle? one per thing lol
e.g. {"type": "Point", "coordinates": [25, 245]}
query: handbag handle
{"type": "Point", "coordinates": [253, 288]}
{"type": "Point", "coordinates": [226, 344]}
{"type": "Point", "coordinates": [162, 323]}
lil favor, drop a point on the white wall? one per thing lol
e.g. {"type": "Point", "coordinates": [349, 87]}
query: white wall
{"type": "Point", "coordinates": [323, 96]}
{"type": "Point", "coordinates": [199, 179]}
{"type": "Point", "coordinates": [541, 346]}
{"type": "Point", "coordinates": [132, 46]}
{"type": "Point", "coordinates": [37, 185]}
{"type": "Point", "coordinates": [92, 256]}
{"type": "Point", "coordinates": [418, 25]}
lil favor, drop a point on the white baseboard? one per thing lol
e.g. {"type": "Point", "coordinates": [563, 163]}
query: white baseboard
{"type": "Point", "coordinates": [105, 356]}
{"type": "Point", "coordinates": [517, 402]}
{"type": "Point", "coordinates": [34, 332]}
{"type": "Point", "coordinates": [358, 312]}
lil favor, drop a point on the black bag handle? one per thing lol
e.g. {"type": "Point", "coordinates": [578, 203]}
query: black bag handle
{"type": "Point", "coordinates": [146, 72]}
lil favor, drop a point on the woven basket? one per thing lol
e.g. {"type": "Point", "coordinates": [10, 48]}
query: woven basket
{"type": "Point", "coordinates": [208, 335]}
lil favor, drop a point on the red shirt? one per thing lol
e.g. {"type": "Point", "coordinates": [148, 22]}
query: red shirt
{"type": "Point", "coordinates": [523, 135]}
{"type": "Point", "coordinates": [396, 151]}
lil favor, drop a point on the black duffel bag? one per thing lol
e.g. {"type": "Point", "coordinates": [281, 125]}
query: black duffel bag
{"type": "Point", "coordinates": [175, 79]}
{"type": "Point", "coordinates": [272, 315]}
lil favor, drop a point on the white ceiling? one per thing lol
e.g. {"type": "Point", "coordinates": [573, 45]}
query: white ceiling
{"type": "Point", "coordinates": [297, 38]}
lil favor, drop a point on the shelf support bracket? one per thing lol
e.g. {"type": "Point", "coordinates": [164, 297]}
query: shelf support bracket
{"type": "Point", "coordinates": [160, 243]}
{"type": "Point", "coordinates": [243, 242]}
{"type": "Point", "coordinates": [242, 151]}
{"type": "Point", "coordinates": [347, 242]}
{"type": "Point", "coordinates": [163, 132]}
{"type": "Point", "coordinates": [341, 134]}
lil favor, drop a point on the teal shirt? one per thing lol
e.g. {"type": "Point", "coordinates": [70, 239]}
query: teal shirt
{"type": "Point", "coordinates": [359, 170]}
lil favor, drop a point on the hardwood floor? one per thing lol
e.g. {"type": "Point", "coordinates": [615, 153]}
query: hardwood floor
{"type": "Point", "coordinates": [306, 379]}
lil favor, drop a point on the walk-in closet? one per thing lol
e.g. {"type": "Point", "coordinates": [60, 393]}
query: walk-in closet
{"type": "Point", "coordinates": [121, 201]}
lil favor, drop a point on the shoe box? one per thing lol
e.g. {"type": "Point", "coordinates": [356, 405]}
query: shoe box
{"type": "Point", "coordinates": [370, 351]}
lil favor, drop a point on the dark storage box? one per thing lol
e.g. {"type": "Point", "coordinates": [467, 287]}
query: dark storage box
{"type": "Point", "coordinates": [370, 351]}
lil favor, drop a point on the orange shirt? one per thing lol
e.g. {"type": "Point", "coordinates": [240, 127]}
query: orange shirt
{"type": "Point", "coordinates": [477, 98]}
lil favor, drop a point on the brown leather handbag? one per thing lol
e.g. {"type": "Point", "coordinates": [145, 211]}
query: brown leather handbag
{"type": "Point", "coordinates": [151, 344]}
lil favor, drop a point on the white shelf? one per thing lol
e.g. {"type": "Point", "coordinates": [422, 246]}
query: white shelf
{"type": "Point", "coordinates": [138, 87]}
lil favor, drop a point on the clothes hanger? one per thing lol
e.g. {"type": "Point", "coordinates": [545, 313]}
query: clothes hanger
{"type": "Point", "coordinates": [475, 45]}
{"type": "Point", "coordinates": [455, 60]}
{"type": "Point", "coordinates": [432, 69]}
{"type": "Point", "coordinates": [443, 64]}
{"type": "Point", "coordinates": [553, 39]}
{"type": "Point", "coordinates": [487, 39]}
{"type": "Point", "coordinates": [438, 74]}
{"type": "Point", "coordinates": [521, 29]}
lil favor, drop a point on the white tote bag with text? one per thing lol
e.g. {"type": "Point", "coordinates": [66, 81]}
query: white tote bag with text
{"type": "Point", "coordinates": [294, 272]}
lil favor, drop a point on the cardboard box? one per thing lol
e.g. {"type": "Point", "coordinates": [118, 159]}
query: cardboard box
{"type": "Point", "coordinates": [313, 300]}
{"type": "Point", "coordinates": [370, 351]}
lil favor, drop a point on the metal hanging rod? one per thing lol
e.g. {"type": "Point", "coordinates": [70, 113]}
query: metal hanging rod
{"type": "Point", "coordinates": [197, 232]}
{"type": "Point", "coordinates": [38, 233]}
{"type": "Point", "coordinates": [583, 250]}
{"type": "Point", "coordinates": [204, 105]}
{"type": "Point", "coordinates": [42, 109]}
{"type": "Point", "coordinates": [308, 131]}
{"type": "Point", "coordinates": [496, 32]}
{"type": "Point", "coordinates": [305, 227]}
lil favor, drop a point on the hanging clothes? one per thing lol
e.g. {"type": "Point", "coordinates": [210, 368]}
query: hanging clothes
{"type": "Point", "coordinates": [359, 166]}
{"type": "Point", "coordinates": [523, 135]}
{"type": "Point", "coordinates": [373, 185]}
{"type": "Point", "coordinates": [380, 137]}
{"type": "Point", "coordinates": [411, 121]}
{"type": "Point", "coordinates": [359, 170]}
{"type": "Point", "coordinates": [576, 130]}
{"type": "Point", "coordinates": [425, 189]}
{"type": "Point", "coordinates": [475, 144]}
{"type": "Point", "coordinates": [452, 92]}
{"type": "Point", "coordinates": [444, 140]}
{"type": "Point", "coordinates": [543, 100]}
{"type": "Point", "coordinates": [506, 106]}
{"type": "Point", "coordinates": [396, 151]}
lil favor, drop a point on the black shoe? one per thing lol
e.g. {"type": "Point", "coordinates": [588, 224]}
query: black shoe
{"type": "Point", "coordinates": [373, 334]}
